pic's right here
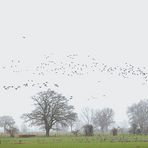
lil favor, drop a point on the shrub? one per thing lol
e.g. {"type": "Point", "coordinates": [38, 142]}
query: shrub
{"type": "Point", "coordinates": [88, 130]}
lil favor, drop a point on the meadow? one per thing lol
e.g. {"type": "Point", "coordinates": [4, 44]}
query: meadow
{"type": "Point", "coordinates": [99, 141]}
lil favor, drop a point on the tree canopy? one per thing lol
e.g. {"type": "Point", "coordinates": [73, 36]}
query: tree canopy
{"type": "Point", "coordinates": [138, 115]}
{"type": "Point", "coordinates": [8, 123]}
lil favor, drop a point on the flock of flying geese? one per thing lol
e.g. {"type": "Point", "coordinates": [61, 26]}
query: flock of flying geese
{"type": "Point", "coordinates": [72, 67]}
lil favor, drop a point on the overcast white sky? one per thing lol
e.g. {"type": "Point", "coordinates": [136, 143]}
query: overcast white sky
{"type": "Point", "coordinates": [113, 32]}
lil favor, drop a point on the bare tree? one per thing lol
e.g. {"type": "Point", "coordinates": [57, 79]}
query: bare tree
{"type": "Point", "coordinates": [72, 122]}
{"type": "Point", "coordinates": [138, 115]}
{"type": "Point", "coordinates": [87, 115]}
{"type": "Point", "coordinates": [50, 108]}
{"type": "Point", "coordinates": [104, 118]}
{"type": "Point", "coordinates": [8, 123]}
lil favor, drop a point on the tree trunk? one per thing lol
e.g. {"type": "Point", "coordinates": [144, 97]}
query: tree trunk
{"type": "Point", "coordinates": [47, 128]}
{"type": "Point", "coordinates": [106, 129]}
{"type": "Point", "coordinates": [102, 129]}
{"type": "Point", "coordinates": [47, 132]}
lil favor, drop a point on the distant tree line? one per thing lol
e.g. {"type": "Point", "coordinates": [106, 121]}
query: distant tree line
{"type": "Point", "coordinates": [52, 111]}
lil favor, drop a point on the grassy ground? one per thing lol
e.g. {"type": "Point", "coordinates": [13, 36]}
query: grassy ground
{"type": "Point", "coordinates": [82, 145]}
{"type": "Point", "coordinates": [106, 141]}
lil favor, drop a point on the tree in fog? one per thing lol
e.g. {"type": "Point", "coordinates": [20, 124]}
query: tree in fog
{"type": "Point", "coordinates": [104, 118]}
{"type": "Point", "coordinates": [24, 128]}
{"type": "Point", "coordinates": [8, 123]}
{"type": "Point", "coordinates": [87, 115]}
{"type": "Point", "coordinates": [133, 128]}
{"type": "Point", "coordinates": [50, 108]}
{"type": "Point", "coordinates": [71, 123]}
{"type": "Point", "coordinates": [138, 115]}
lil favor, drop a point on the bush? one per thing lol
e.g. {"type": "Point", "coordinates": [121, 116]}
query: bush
{"type": "Point", "coordinates": [88, 130]}
{"type": "Point", "coordinates": [114, 131]}
{"type": "Point", "coordinates": [26, 136]}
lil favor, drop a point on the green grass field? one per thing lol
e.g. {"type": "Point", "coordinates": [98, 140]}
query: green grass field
{"type": "Point", "coordinates": [122, 141]}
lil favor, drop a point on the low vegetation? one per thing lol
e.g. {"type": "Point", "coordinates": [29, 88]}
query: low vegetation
{"type": "Point", "coordinates": [103, 141]}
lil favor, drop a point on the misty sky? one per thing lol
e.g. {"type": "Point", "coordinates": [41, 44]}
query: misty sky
{"type": "Point", "coordinates": [113, 32]}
